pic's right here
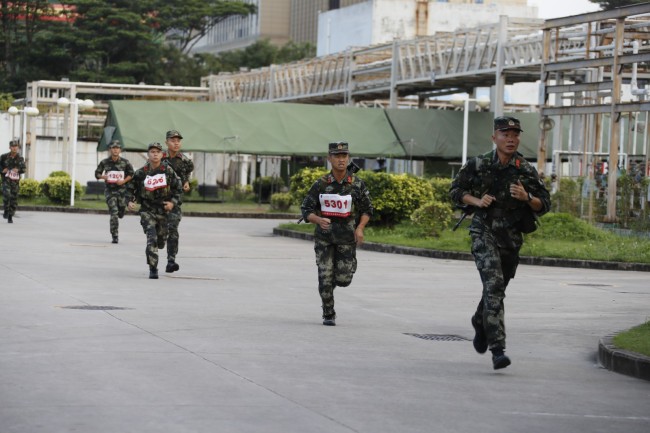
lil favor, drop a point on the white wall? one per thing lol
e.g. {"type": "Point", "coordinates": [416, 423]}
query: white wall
{"type": "Point", "coordinates": [341, 28]}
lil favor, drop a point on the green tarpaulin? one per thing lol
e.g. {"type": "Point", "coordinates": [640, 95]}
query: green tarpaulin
{"type": "Point", "coordinates": [296, 129]}
{"type": "Point", "coordinates": [259, 129]}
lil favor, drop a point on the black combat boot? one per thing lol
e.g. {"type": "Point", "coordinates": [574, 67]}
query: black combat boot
{"type": "Point", "coordinates": [153, 273]}
{"type": "Point", "coordinates": [329, 322]}
{"type": "Point", "coordinates": [499, 359]}
{"type": "Point", "coordinates": [10, 220]}
{"type": "Point", "coordinates": [172, 266]}
{"type": "Point", "coordinates": [115, 240]}
{"type": "Point", "coordinates": [480, 339]}
{"type": "Point", "coordinates": [4, 214]}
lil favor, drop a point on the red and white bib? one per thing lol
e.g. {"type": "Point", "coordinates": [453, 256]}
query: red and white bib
{"type": "Point", "coordinates": [13, 175]}
{"type": "Point", "coordinates": [157, 181]}
{"type": "Point", "coordinates": [335, 205]}
{"type": "Point", "coordinates": [114, 176]}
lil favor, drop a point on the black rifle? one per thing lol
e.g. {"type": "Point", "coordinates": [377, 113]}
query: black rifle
{"type": "Point", "coordinates": [353, 168]}
{"type": "Point", "coordinates": [467, 210]}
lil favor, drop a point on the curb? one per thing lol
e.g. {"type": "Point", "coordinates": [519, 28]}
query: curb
{"type": "Point", "coordinates": [456, 255]}
{"type": "Point", "coordinates": [192, 214]}
{"type": "Point", "coordinates": [622, 361]}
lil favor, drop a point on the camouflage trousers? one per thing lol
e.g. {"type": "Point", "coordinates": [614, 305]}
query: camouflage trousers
{"type": "Point", "coordinates": [173, 220]}
{"type": "Point", "coordinates": [116, 202]}
{"type": "Point", "coordinates": [336, 267]}
{"type": "Point", "coordinates": [10, 191]}
{"type": "Point", "coordinates": [497, 266]}
{"type": "Point", "coordinates": [155, 228]}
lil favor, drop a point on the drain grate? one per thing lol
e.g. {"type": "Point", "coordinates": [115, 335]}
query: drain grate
{"type": "Point", "coordinates": [438, 337]}
{"type": "Point", "coordinates": [93, 307]}
{"type": "Point", "coordinates": [590, 285]}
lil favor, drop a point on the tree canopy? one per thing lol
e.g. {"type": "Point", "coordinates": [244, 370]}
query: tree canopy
{"type": "Point", "coordinates": [121, 41]}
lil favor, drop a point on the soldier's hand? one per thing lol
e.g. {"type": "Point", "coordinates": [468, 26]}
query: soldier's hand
{"type": "Point", "coordinates": [358, 236]}
{"type": "Point", "coordinates": [486, 200]}
{"type": "Point", "coordinates": [186, 186]}
{"type": "Point", "coordinates": [518, 191]}
{"type": "Point", "coordinates": [168, 206]}
{"type": "Point", "coordinates": [131, 206]}
{"type": "Point", "coordinates": [324, 223]}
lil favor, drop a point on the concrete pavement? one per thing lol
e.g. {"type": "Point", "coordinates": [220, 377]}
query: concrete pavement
{"type": "Point", "coordinates": [233, 342]}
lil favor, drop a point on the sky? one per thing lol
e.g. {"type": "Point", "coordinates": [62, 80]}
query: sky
{"type": "Point", "coordinates": [562, 8]}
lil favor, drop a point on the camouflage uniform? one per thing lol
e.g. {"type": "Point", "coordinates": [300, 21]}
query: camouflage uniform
{"type": "Point", "coordinates": [335, 248]}
{"type": "Point", "coordinates": [183, 166]}
{"type": "Point", "coordinates": [10, 187]}
{"type": "Point", "coordinates": [153, 218]}
{"type": "Point", "coordinates": [115, 194]}
{"type": "Point", "coordinates": [495, 232]}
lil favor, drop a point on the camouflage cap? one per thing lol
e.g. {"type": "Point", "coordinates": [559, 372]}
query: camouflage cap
{"type": "Point", "coordinates": [338, 147]}
{"type": "Point", "coordinates": [154, 145]}
{"type": "Point", "coordinates": [505, 123]}
{"type": "Point", "coordinates": [173, 133]}
{"type": "Point", "coordinates": [114, 143]}
{"type": "Point", "coordinates": [13, 143]}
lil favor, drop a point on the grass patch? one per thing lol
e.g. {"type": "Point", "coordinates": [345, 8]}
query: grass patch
{"type": "Point", "coordinates": [560, 236]}
{"type": "Point", "coordinates": [636, 339]}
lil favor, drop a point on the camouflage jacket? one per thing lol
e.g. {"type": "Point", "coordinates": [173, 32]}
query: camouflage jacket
{"type": "Point", "coordinates": [484, 174]}
{"type": "Point", "coordinates": [342, 228]}
{"type": "Point", "coordinates": [108, 164]}
{"type": "Point", "coordinates": [10, 162]}
{"type": "Point", "coordinates": [182, 165]}
{"type": "Point", "coordinates": [142, 188]}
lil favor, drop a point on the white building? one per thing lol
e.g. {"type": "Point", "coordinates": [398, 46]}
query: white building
{"type": "Point", "coordinates": [380, 21]}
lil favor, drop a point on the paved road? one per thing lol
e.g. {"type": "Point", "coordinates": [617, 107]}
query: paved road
{"type": "Point", "coordinates": [234, 342]}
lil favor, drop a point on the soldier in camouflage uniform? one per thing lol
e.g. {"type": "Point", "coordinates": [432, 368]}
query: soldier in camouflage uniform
{"type": "Point", "coordinates": [12, 166]}
{"type": "Point", "coordinates": [116, 172]}
{"type": "Point", "coordinates": [502, 188]}
{"type": "Point", "coordinates": [158, 190]}
{"type": "Point", "coordinates": [339, 204]}
{"type": "Point", "coordinates": [183, 166]}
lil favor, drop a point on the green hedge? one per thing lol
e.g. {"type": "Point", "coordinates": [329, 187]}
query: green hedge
{"type": "Point", "coordinates": [57, 189]}
{"type": "Point", "coordinates": [29, 188]}
{"type": "Point", "coordinates": [394, 196]}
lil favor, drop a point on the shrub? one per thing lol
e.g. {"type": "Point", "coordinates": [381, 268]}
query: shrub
{"type": "Point", "coordinates": [440, 187]}
{"type": "Point", "coordinates": [29, 188]}
{"type": "Point", "coordinates": [433, 217]}
{"type": "Point", "coordinates": [57, 189]}
{"type": "Point", "coordinates": [568, 228]}
{"type": "Point", "coordinates": [264, 186]}
{"type": "Point", "coordinates": [395, 196]}
{"type": "Point", "coordinates": [59, 174]}
{"type": "Point", "coordinates": [281, 201]}
{"type": "Point", "coordinates": [302, 181]}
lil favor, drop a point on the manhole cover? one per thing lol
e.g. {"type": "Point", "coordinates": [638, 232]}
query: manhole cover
{"type": "Point", "coordinates": [93, 307]}
{"type": "Point", "coordinates": [438, 337]}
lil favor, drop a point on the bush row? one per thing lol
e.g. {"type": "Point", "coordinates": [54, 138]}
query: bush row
{"type": "Point", "coordinates": [55, 188]}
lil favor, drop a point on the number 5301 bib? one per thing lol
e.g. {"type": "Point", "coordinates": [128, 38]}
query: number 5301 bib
{"type": "Point", "coordinates": [335, 205]}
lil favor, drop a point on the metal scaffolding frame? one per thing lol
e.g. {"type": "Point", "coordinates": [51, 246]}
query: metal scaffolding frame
{"type": "Point", "coordinates": [586, 60]}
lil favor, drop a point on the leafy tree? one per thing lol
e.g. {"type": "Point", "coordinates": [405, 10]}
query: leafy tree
{"type": "Point", "coordinates": [20, 22]}
{"type": "Point", "coordinates": [186, 21]}
{"type": "Point", "coordinates": [263, 53]}
{"type": "Point", "coordinates": [112, 41]}
{"type": "Point", "coordinates": [612, 4]}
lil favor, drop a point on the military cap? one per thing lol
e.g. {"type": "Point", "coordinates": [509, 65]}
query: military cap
{"type": "Point", "coordinates": [114, 143]}
{"type": "Point", "coordinates": [13, 143]}
{"type": "Point", "coordinates": [338, 147]}
{"type": "Point", "coordinates": [505, 123]}
{"type": "Point", "coordinates": [154, 145]}
{"type": "Point", "coordinates": [174, 133]}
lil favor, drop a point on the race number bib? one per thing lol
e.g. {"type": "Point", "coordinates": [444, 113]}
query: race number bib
{"type": "Point", "coordinates": [114, 176]}
{"type": "Point", "coordinates": [157, 181]}
{"type": "Point", "coordinates": [13, 175]}
{"type": "Point", "coordinates": [335, 205]}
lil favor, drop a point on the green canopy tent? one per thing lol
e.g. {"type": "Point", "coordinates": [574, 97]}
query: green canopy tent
{"type": "Point", "coordinates": [438, 134]}
{"type": "Point", "coordinates": [259, 129]}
